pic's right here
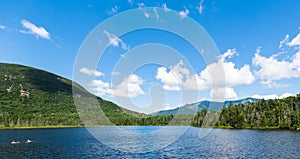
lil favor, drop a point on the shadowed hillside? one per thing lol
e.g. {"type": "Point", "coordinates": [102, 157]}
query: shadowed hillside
{"type": "Point", "coordinates": [33, 97]}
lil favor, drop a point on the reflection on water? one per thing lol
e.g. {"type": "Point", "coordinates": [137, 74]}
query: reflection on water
{"type": "Point", "coordinates": [220, 143]}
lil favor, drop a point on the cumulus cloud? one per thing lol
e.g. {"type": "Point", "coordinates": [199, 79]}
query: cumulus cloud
{"type": "Point", "coordinates": [115, 41]}
{"type": "Point", "coordinates": [295, 41]}
{"type": "Point", "coordinates": [91, 72]}
{"type": "Point", "coordinates": [130, 87]}
{"type": "Point", "coordinates": [181, 77]}
{"type": "Point", "coordinates": [196, 82]}
{"type": "Point", "coordinates": [272, 69]}
{"type": "Point", "coordinates": [100, 88]}
{"type": "Point", "coordinates": [174, 78]}
{"type": "Point", "coordinates": [222, 93]}
{"type": "Point", "coordinates": [233, 76]}
{"type": "Point", "coordinates": [169, 80]}
{"type": "Point", "coordinates": [35, 30]}
{"type": "Point", "coordinates": [272, 96]}
{"type": "Point", "coordinates": [184, 13]}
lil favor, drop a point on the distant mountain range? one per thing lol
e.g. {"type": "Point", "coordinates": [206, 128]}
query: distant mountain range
{"type": "Point", "coordinates": [193, 108]}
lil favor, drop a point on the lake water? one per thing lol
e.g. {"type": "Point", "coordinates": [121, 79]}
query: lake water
{"type": "Point", "coordinates": [219, 143]}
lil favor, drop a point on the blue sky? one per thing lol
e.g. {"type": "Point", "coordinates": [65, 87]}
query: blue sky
{"type": "Point", "coordinates": [258, 43]}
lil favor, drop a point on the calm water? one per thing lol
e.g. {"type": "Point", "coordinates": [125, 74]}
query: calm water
{"type": "Point", "coordinates": [220, 143]}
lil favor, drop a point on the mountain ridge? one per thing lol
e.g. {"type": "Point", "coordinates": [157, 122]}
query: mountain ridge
{"type": "Point", "coordinates": [194, 108]}
{"type": "Point", "coordinates": [34, 97]}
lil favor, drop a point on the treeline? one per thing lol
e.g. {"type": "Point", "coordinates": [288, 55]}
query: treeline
{"type": "Point", "coordinates": [32, 97]}
{"type": "Point", "coordinates": [265, 114]}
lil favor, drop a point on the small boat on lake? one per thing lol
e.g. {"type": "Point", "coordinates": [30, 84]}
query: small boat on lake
{"type": "Point", "coordinates": [28, 141]}
{"type": "Point", "coordinates": [15, 142]}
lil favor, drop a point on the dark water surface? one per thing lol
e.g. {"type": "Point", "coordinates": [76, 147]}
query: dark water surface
{"type": "Point", "coordinates": [220, 143]}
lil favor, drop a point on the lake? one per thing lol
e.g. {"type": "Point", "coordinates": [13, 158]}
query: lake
{"type": "Point", "coordinates": [219, 143]}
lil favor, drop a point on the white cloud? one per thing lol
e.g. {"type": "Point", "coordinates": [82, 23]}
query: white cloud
{"type": "Point", "coordinates": [113, 10]}
{"type": "Point", "coordinates": [131, 2]}
{"type": "Point", "coordinates": [272, 96]}
{"type": "Point", "coordinates": [166, 106]}
{"type": "Point", "coordinates": [174, 78]}
{"type": "Point", "coordinates": [35, 30]}
{"type": "Point", "coordinates": [2, 27]}
{"type": "Point", "coordinates": [184, 14]}
{"type": "Point", "coordinates": [100, 88]}
{"type": "Point", "coordinates": [295, 41]}
{"type": "Point", "coordinates": [169, 80]}
{"type": "Point", "coordinates": [272, 84]}
{"type": "Point", "coordinates": [272, 69]}
{"type": "Point", "coordinates": [233, 76]}
{"type": "Point", "coordinates": [141, 5]}
{"type": "Point", "coordinates": [222, 93]}
{"type": "Point", "coordinates": [91, 72]}
{"type": "Point", "coordinates": [284, 41]}
{"type": "Point", "coordinates": [115, 41]}
{"type": "Point", "coordinates": [209, 78]}
{"type": "Point", "coordinates": [130, 87]}
{"type": "Point", "coordinates": [115, 73]}
{"type": "Point", "coordinates": [196, 82]}
{"type": "Point", "coordinates": [171, 87]}
{"type": "Point", "coordinates": [166, 9]}
{"type": "Point", "coordinates": [200, 7]}
{"type": "Point", "coordinates": [228, 54]}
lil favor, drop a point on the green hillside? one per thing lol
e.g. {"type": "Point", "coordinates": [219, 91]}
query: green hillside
{"type": "Point", "coordinates": [33, 97]}
{"type": "Point", "coordinates": [264, 114]}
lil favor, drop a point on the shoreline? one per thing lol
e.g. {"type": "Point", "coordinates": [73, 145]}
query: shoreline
{"type": "Point", "coordinates": [256, 128]}
{"type": "Point", "coordinates": [39, 127]}
{"type": "Point", "coordinates": [80, 126]}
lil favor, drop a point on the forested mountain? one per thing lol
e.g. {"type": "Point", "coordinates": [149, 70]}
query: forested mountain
{"type": "Point", "coordinates": [33, 97]}
{"type": "Point", "coordinates": [271, 114]}
{"type": "Point", "coordinates": [194, 108]}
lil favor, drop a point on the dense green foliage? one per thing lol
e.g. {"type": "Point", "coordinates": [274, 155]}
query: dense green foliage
{"type": "Point", "coordinates": [32, 97]}
{"type": "Point", "coordinates": [271, 114]}
{"type": "Point", "coordinates": [49, 100]}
